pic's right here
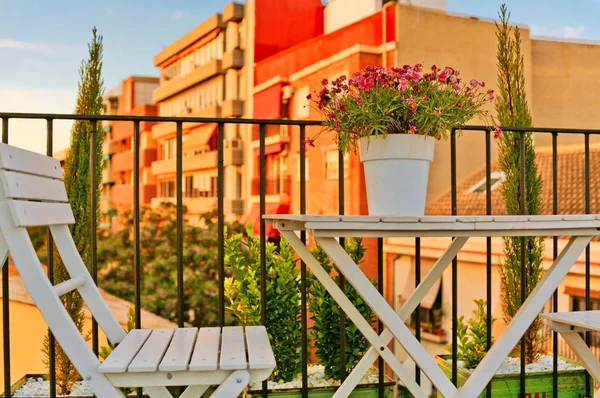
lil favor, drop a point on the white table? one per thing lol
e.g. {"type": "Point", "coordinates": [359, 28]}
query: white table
{"type": "Point", "coordinates": [325, 230]}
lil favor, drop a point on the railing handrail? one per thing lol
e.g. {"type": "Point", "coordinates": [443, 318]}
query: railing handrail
{"type": "Point", "coordinates": [172, 119]}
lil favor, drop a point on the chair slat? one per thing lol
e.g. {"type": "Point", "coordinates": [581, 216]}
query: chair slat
{"type": "Point", "coordinates": [69, 285]}
{"type": "Point", "coordinates": [206, 350]}
{"type": "Point", "coordinates": [152, 352]}
{"type": "Point", "coordinates": [12, 158]}
{"type": "Point", "coordinates": [34, 214]}
{"type": "Point", "coordinates": [260, 354]}
{"type": "Point", "coordinates": [178, 354]}
{"type": "Point", "coordinates": [123, 354]}
{"type": "Point", "coordinates": [233, 349]}
{"type": "Point", "coordinates": [26, 186]}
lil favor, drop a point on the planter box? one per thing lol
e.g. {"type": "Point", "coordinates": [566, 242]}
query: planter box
{"type": "Point", "coordinates": [571, 383]}
{"type": "Point", "coordinates": [361, 391]}
{"type": "Point", "coordinates": [19, 383]}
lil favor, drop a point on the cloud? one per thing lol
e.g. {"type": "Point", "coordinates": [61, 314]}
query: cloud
{"type": "Point", "coordinates": [563, 32]}
{"type": "Point", "coordinates": [176, 15]}
{"type": "Point", "coordinates": [25, 45]}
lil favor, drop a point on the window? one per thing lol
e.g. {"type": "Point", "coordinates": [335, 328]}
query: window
{"type": "Point", "coordinates": [167, 189]}
{"type": "Point", "coordinates": [495, 179]}
{"type": "Point", "coordinates": [168, 149]}
{"type": "Point", "coordinates": [189, 187]}
{"type": "Point", "coordinates": [301, 108]}
{"type": "Point", "coordinates": [332, 162]}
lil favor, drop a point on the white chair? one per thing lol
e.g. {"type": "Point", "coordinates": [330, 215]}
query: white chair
{"type": "Point", "coordinates": [33, 194]}
{"type": "Point", "coordinates": [569, 325]}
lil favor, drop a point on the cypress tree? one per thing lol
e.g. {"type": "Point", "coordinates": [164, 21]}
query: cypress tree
{"type": "Point", "coordinates": [77, 182]}
{"type": "Point", "coordinates": [512, 109]}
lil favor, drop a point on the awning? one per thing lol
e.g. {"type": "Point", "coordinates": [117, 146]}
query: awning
{"type": "Point", "coordinates": [429, 299]}
{"type": "Point", "coordinates": [269, 149]}
{"type": "Point", "coordinates": [270, 208]}
{"type": "Point", "coordinates": [577, 291]}
{"type": "Point", "coordinates": [199, 137]}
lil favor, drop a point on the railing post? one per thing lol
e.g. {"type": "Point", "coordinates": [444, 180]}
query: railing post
{"type": "Point", "coordinates": [179, 210]}
{"type": "Point", "coordinates": [6, 299]}
{"type": "Point", "coordinates": [50, 245]}
{"type": "Point", "coordinates": [93, 226]}
{"type": "Point", "coordinates": [303, 287]}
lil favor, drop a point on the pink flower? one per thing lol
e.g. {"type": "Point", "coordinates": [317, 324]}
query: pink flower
{"type": "Point", "coordinates": [324, 82]}
{"type": "Point", "coordinates": [424, 97]}
{"type": "Point", "coordinates": [459, 104]}
{"type": "Point", "coordinates": [438, 111]}
{"type": "Point", "coordinates": [309, 97]}
{"type": "Point", "coordinates": [491, 94]}
{"type": "Point", "coordinates": [359, 100]}
{"type": "Point", "coordinates": [412, 129]}
{"type": "Point", "coordinates": [442, 77]}
{"type": "Point", "coordinates": [481, 84]}
{"type": "Point", "coordinates": [474, 83]}
{"type": "Point", "coordinates": [497, 131]}
{"type": "Point", "coordinates": [403, 85]}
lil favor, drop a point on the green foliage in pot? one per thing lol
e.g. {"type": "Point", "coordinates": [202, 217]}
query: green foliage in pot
{"type": "Point", "coordinates": [513, 110]}
{"type": "Point", "coordinates": [407, 100]}
{"type": "Point", "coordinates": [472, 336]}
{"type": "Point", "coordinates": [325, 312]}
{"type": "Point", "coordinates": [77, 184]}
{"type": "Point", "coordinates": [242, 256]}
{"type": "Point", "coordinates": [158, 258]}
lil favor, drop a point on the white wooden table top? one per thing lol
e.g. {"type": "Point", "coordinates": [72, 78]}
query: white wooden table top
{"type": "Point", "coordinates": [390, 226]}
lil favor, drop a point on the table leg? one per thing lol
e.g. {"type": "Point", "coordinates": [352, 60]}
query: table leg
{"type": "Point", "coordinates": [531, 308]}
{"type": "Point", "coordinates": [407, 309]}
{"type": "Point", "coordinates": [386, 314]}
{"type": "Point", "coordinates": [362, 324]}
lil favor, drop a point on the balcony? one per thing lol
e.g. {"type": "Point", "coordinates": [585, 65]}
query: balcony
{"type": "Point", "coordinates": [203, 161]}
{"type": "Point", "coordinates": [122, 194]}
{"type": "Point", "coordinates": [167, 129]}
{"type": "Point", "coordinates": [123, 161]}
{"type": "Point", "coordinates": [181, 83]}
{"type": "Point", "coordinates": [571, 193]}
{"type": "Point", "coordinates": [233, 59]}
{"type": "Point", "coordinates": [274, 186]}
{"type": "Point", "coordinates": [108, 176]}
{"type": "Point", "coordinates": [193, 205]}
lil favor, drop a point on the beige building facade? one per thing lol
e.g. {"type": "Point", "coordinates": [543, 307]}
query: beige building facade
{"type": "Point", "coordinates": [202, 74]}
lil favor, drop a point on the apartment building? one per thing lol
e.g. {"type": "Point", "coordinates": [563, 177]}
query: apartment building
{"type": "Point", "coordinates": [133, 97]}
{"type": "Point", "coordinates": [202, 74]}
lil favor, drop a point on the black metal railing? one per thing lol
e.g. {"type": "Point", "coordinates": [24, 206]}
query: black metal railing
{"type": "Point", "coordinates": [299, 128]}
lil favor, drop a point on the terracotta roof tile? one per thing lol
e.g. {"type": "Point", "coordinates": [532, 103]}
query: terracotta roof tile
{"type": "Point", "coordinates": [570, 178]}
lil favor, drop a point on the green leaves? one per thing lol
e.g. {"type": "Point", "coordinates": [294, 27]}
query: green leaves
{"type": "Point", "coordinates": [512, 109]}
{"type": "Point", "coordinates": [242, 256]}
{"type": "Point", "coordinates": [325, 313]}
{"type": "Point", "coordinates": [472, 336]}
{"type": "Point", "coordinates": [158, 258]}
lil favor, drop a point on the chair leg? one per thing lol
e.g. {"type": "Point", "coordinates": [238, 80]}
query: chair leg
{"type": "Point", "coordinates": [158, 392]}
{"type": "Point", "coordinates": [233, 385]}
{"type": "Point", "coordinates": [194, 391]}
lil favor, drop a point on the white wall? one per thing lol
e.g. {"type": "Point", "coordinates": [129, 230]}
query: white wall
{"type": "Point", "coordinates": [437, 4]}
{"type": "Point", "coordinates": [340, 13]}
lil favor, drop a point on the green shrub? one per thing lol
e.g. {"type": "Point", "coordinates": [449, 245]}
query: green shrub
{"type": "Point", "coordinates": [325, 312]}
{"type": "Point", "coordinates": [472, 337]}
{"type": "Point", "coordinates": [242, 255]}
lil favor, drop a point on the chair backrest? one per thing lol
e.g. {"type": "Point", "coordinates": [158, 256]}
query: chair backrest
{"type": "Point", "coordinates": [32, 193]}
{"type": "Point", "coordinates": [33, 187]}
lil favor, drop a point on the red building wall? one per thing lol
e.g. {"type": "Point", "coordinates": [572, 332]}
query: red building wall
{"type": "Point", "coordinates": [283, 24]}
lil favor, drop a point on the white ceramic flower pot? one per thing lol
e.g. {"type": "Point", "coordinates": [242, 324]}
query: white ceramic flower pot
{"type": "Point", "coordinates": [396, 173]}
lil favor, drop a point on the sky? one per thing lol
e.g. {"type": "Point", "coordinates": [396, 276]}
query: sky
{"type": "Point", "coordinates": [42, 44]}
